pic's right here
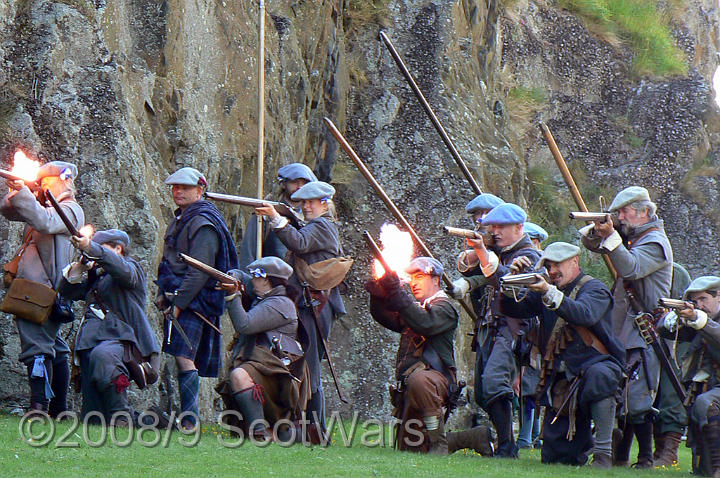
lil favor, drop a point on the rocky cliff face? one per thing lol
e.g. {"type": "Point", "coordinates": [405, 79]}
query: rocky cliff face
{"type": "Point", "coordinates": [131, 90]}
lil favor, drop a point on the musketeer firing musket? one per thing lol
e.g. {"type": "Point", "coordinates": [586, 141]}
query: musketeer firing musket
{"type": "Point", "coordinates": [425, 366]}
{"type": "Point", "coordinates": [642, 256]}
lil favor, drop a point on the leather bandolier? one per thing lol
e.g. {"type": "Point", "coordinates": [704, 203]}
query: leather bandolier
{"type": "Point", "coordinates": [563, 396]}
{"type": "Point", "coordinates": [561, 336]}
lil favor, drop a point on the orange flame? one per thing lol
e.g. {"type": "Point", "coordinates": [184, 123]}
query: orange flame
{"type": "Point", "coordinates": [25, 167]}
{"type": "Point", "coordinates": [397, 249]}
{"type": "Point", "coordinates": [87, 230]}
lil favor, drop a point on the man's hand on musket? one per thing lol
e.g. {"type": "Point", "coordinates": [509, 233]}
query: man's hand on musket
{"type": "Point", "coordinates": [604, 228]}
{"type": "Point", "coordinates": [267, 210]}
{"type": "Point", "coordinates": [81, 242]}
{"type": "Point", "coordinates": [478, 245]}
{"type": "Point", "coordinates": [15, 184]}
{"type": "Point", "coordinates": [540, 286]}
{"type": "Point", "coordinates": [520, 264]}
{"type": "Point", "coordinates": [687, 314]}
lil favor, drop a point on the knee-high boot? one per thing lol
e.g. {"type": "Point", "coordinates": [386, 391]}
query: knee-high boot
{"type": "Point", "coordinates": [644, 435]}
{"type": "Point", "coordinates": [500, 412]}
{"type": "Point", "coordinates": [60, 385]}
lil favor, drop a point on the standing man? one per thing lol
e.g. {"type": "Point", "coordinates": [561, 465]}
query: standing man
{"type": "Point", "coordinates": [642, 256]}
{"type": "Point", "coordinates": [530, 429]}
{"type": "Point", "coordinates": [582, 361]}
{"type": "Point", "coordinates": [291, 177]}
{"type": "Point", "coordinates": [46, 251]}
{"type": "Point", "coordinates": [497, 334]}
{"type": "Point", "coordinates": [113, 286]}
{"type": "Point", "coordinates": [188, 298]}
{"type": "Point", "coordinates": [700, 328]}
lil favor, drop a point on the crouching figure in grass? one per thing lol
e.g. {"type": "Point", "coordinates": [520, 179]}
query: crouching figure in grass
{"type": "Point", "coordinates": [268, 380]}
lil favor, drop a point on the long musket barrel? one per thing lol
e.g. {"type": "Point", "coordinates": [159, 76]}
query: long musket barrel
{"type": "Point", "coordinates": [570, 181]}
{"type": "Point", "coordinates": [216, 274]}
{"type": "Point", "coordinates": [458, 232]}
{"type": "Point", "coordinates": [281, 208]}
{"type": "Point", "coordinates": [376, 252]}
{"type": "Point", "coordinates": [521, 279]}
{"type": "Point", "coordinates": [590, 216]}
{"type": "Point", "coordinates": [431, 114]}
{"type": "Point", "coordinates": [673, 303]}
{"type": "Point", "coordinates": [389, 203]}
{"type": "Point", "coordinates": [4, 173]}
{"type": "Point", "coordinates": [63, 217]}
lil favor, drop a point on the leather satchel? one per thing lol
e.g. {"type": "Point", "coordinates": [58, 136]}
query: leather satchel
{"type": "Point", "coordinates": [29, 300]}
{"type": "Point", "coordinates": [323, 275]}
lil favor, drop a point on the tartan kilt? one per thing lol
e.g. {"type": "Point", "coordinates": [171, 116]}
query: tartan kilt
{"type": "Point", "coordinates": [207, 344]}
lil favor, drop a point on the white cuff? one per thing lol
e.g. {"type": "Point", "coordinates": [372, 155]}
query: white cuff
{"type": "Point", "coordinates": [463, 264]}
{"type": "Point", "coordinates": [700, 321]}
{"type": "Point", "coordinates": [585, 230]}
{"type": "Point", "coordinates": [492, 266]}
{"type": "Point", "coordinates": [553, 298]}
{"type": "Point", "coordinates": [612, 241]}
{"type": "Point", "coordinates": [71, 275]}
{"type": "Point", "coordinates": [278, 222]}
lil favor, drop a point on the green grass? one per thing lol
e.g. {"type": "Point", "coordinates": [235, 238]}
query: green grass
{"type": "Point", "coordinates": [210, 458]}
{"type": "Point", "coordinates": [641, 25]}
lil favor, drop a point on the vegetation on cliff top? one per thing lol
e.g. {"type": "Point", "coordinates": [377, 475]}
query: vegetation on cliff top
{"type": "Point", "coordinates": [639, 23]}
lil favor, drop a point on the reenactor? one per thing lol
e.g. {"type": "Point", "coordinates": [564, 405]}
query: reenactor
{"type": "Point", "coordinates": [317, 243]}
{"type": "Point", "coordinates": [670, 424]}
{"type": "Point", "coordinates": [268, 379]}
{"type": "Point", "coordinates": [642, 256]}
{"type": "Point", "coordinates": [46, 250]}
{"type": "Point", "coordinates": [425, 366]}
{"type": "Point", "coordinates": [115, 343]}
{"type": "Point", "coordinates": [496, 333]}
{"type": "Point", "coordinates": [530, 428]}
{"type": "Point", "coordinates": [583, 362]}
{"type": "Point", "coordinates": [191, 303]}
{"type": "Point", "coordinates": [698, 325]}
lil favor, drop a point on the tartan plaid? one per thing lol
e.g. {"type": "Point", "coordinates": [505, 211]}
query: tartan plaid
{"type": "Point", "coordinates": [206, 342]}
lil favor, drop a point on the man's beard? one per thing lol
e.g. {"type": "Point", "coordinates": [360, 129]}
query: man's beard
{"type": "Point", "coordinates": [626, 230]}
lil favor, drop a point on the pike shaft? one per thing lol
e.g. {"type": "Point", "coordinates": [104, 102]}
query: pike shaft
{"type": "Point", "coordinates": [431, 114]}
{"type": "Point", "coordinates": [570, 181]}
{"type": "Point", "coordinates": [389, 203]}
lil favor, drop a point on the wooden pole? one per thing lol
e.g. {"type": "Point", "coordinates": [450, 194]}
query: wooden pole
{"type": "Point", "coordinates": [431, 114]}
{"type": "Point", "coordinates": [261, 122]}
{"type": "Point", "coordinates": [389, 203]}
{"type": "Point", "coordinates": [570, 181]}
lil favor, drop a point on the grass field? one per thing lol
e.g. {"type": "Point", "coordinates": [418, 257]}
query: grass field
{"type": "Point", "coordinates": [88, 454]}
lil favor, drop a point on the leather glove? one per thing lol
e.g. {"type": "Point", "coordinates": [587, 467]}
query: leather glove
{"type": "Point", "coordinates": [390, 281]}
{"type": "Point", "coordinates": [375, 289]}
{"type": "Point", "coordinates": [459, 288]}
{"type": "Point", "coordinates": [398, 300]}
{"type": "Point", "coordinates": [699, 321]}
